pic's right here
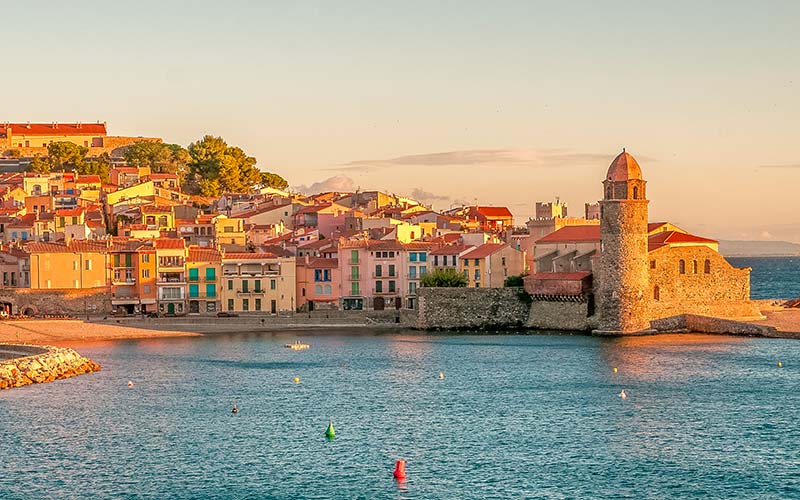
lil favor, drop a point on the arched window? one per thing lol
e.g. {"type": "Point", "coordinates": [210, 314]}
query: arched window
{"type": "Point", "coordinates": [707, 266]}
{"type": "Point", "coordinates": [635, 192]}
{"type": "Point", "coordinates": [608, 192]}
{"type": "Point", "coordinates": [656, 293]}
{"type": "Point", "coordinates": [694, 267]}
{"type": "Point", "coordinates": [682, 266]}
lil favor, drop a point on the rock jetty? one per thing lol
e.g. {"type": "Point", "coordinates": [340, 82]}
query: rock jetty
{"type": "Point", "coordinates": [22, 364]}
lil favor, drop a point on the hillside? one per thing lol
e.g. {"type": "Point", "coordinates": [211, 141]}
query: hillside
{"type": "Point", "coordinates": [732, 248]}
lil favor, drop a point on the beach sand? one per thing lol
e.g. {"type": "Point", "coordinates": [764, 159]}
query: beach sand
{"type": "Point", "coordinates": [63, 332]}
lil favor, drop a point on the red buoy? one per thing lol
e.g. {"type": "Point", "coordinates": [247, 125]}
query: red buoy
{"type": "Point", "coordinates": [400, 470]}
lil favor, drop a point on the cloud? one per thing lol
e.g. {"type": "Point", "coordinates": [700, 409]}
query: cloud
{"type": "Point", "coordinates": [540, 158]}
{"type": "Point", "coordinates": [785, 165]}
{"type": "Point", "coordinates": [335, 183]}
{"type": "Point", "coordinates": [427, 197]}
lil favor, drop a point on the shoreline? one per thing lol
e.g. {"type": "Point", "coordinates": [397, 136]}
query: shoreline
{"type": "Point", "coordinates": [71, 332]}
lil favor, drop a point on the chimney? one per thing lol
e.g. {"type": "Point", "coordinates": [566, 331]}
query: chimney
{"type": "Point", "coordinates": [55, 124]}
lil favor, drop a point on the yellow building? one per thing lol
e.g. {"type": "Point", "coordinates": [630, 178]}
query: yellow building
{"type": "Point", "coordinates": [155, 217]}
{"type": "Point", "coordinates": [68, 216]}
{"type": "Point", "coordinates": [258, 283]}
{"type": "Point", "coordinates": [40, 135]}
{"type": "Point", "coordinates": [230, 230]}
{"type": "Point", "coordinates": [488, 265]}
{"type": "Point", "coordinates": [145, 189]}
{"type": "Point", "coordinates": [77, 264]}
{"type": "Point", "coordinates": [89, 187]}
{"type": "Point", "coordinates": [36, 184]}
{"type": "Point", "coordinates": [204, 267]}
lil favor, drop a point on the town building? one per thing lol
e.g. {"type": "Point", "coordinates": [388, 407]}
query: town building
{"type": "Point", "coordinates": [488, 265]}
{"type": "Point", "coordinates": [203, 268]}
{"type": "Point", "coordinates": [257, 283]}
{"type": "Point", "coordinates": [318, 283]}
{"type": "Point", "coordinates": [171, 281]}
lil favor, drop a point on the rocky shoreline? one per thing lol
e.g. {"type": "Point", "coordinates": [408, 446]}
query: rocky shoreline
{"type": "Point", "coordinates": [27, 364]}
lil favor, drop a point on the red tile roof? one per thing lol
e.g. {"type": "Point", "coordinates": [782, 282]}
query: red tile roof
{"type": "Point", "coordinates": [664, 238]}
{"type": "Point", "coordinates": [204, 254]}
{"type": "Point", "coordinates": [89, 179]}
{"type": "Point", "coordinates": [169, 243]}
{"type": "Point", "coordinates": [319, 263]}
{"type": "Point", "coordinates": [84, 246]}
{"type": "Point", "coordinates": [494, 212]}
{"type": "Point", "coordinates": [572, 234]}
{"type": "Point", "coordinates": [69, 212]}
{"type": "Point", "coordinates": [55, 129]}
{"type": "Point", "coordinates": [484, 250]}
{"type": "Point", "coordinates": [576, 276]}
{"type": "Point", "coordinates": [623, 167]}
{"type": "Point", "coordinates": [247, 256]}
{"type": "Point", "coordinates": [152, 209]}
{"type": "Point", "coordinates": [451, 249]}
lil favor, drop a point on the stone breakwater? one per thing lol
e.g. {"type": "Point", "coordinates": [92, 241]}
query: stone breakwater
{"type": "Point", "coordinates": [27, 364]}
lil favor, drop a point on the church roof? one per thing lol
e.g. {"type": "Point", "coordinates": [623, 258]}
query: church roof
{"type": "Point", "coordinates": [624, 167]}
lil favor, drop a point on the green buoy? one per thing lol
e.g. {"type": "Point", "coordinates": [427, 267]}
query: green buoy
{"type": "Point", "coordinates": [330, 432]}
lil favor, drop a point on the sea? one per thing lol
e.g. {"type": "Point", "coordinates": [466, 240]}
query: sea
{"type": "Point", "coordinates": [771, 277]}
{"type": "Point", "coordinates": [511, 416]}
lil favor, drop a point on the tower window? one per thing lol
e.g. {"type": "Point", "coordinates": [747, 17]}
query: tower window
{"type": "Point", "coordinates": [682, 266]}
{"type": "Point", "coordinates": [694, 267]}
{"type": "Point", "coordinates": [652, 264]}
{"type": "Point", "coordinates": [635, 192]}
{"type": "Point", "coordinates": [656, 293]}
{"type": "Point", "coordinates": [707, 266]}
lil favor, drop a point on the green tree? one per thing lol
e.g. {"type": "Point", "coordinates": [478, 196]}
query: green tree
{"type": "Point", "coordinates": [443, 277]}
{"type": "Point", "coordinates": [159, 157]}
{"type": "Point", "coordinates": [217, 168]}
{"type": "Point", "coordinates": [268, 179]}
{"type": "Point", "coordinates": [514, 281]}
{"type": "Point", "coordinates": [40, 165]}
{"type": "Point", "coordinates": [98, 165]}
{"type": "Point", "coordinates": [64, 155]}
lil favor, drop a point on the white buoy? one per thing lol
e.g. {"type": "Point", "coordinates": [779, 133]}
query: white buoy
{"type": "Point", "coordinates": [623, 395]}
{"type": "Point", "coordinates": [130, 383]}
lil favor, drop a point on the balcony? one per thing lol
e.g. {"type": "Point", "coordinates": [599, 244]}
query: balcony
{"type": "Point", "coordinates": [384, 276]}
{"type": "Point", "coordinates": [260, 293]}
{"type": "Point", "coordinates": [167, 280]}
{"type": "Point", "coordinates": [384, 292]}
{"type": "Point", "coordinates": [123, 281]}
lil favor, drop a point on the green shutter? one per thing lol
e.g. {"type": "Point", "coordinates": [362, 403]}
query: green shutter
{"type": "Point", "coordinates": [194, 292]}
{"type": "Point", "coordinates": [211, 274]}
{"type": "Point", "coordinates": [211, 290]}
{"type": "Point", "coordinates": [193, 274]}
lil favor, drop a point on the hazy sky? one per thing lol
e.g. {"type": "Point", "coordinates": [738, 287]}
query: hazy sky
{"type": "Point", "coordinates": [504, 102]}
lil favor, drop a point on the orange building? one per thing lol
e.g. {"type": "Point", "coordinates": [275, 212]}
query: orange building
{"type": "Point", "coordinates": [77, 264]}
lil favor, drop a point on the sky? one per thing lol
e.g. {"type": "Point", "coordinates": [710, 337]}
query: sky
{"type": "Point", "coordinates": [499, 102]}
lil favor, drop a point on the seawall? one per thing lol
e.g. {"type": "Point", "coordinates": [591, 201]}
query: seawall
{"type": "Point", "coordinates": [472, 308]}
{"type": "Point", "coordinates": [23, 364]}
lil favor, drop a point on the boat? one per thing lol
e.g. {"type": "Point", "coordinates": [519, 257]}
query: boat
{"type": "Point", "coordinates": [296, 346]}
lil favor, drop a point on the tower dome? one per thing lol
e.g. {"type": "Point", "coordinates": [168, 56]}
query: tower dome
{"type": "Point", "coordinates": [623, 168]}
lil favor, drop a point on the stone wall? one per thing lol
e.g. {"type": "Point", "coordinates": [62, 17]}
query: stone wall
{"type": "Point", "coordinates": [472, 308]}
{"type": "Point", "coordinates": [38, 364]}
{"type": "Point", "coordinates": [572, 316]}
{"type": "Point", "coordinates": [684, 323]}
{"type": "Point", "coordinates": [723, 291]}
{"type": "Point", "coordinates": [69, 302]}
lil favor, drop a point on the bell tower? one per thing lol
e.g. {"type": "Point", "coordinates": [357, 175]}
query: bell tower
{"type": "Point", "coordinates": [624, 275]}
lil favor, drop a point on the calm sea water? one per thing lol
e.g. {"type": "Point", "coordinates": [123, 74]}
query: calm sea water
{"type": "Point", "coordinates": [514, 417]}
{"type": "Point", "coordinates": [772, 277]}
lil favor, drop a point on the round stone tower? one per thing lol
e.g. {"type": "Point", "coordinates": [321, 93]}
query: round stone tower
{"type": "Point", "coordinates": [624, 275]}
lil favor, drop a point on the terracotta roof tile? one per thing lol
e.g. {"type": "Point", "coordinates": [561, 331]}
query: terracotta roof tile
{"type": "Point", "coordinates": [204, 254]}
{"type": "Point", "coordinates": [169, 243]}
{"type": "Point", "coordinates": [572, 234]}
{"type": "Point", "coordinates": [55, 129]}
{"type": "Point", "coordinates": [484, 250]}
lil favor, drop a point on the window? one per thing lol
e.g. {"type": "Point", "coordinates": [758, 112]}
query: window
{"type": "Point", "coordinates": [194, 274]}
{"type": "Point", "coordinates": [656, 293]}
{"type": "Point", "coordinates": [230, 284]}
{"type": "Point", "coordinates": [379, 287]}
{"type": "Point", "coordinates": [245, 305]}
{"type": "Point", "coordinates": [258, 304]}
{"type": "Point", "coordinates": [422, 270]}
{"type": "Point", "coordinates": [423, 257]}
{"type": "Point", "coordinates": [694, 267]}
{"type": "Point", "coordinates": [211, 274]}
{"type": "Point", "coordinates": [245, 286]}
{"type": "Point", "coordinates": [477, 262]}
{"type": "Point", "coordinates": [257, 285]}
{"type": "Point", "coordinates": [230, 304]}
{"type": "Point", "coordinates": [635, 193]}
{"type": "Point", "coordinates": [326, 275]}
{"type": "Point", "coordinates": [354, 272]}
{"type": "Point", "coordinates": [354, 256]}
{"type": "Point", "coordinates": [707, 266]}
{"type": "Point", "coordinates": [317, 274]}
{"type": "Point", "coordinates": [227, 229]}
{"type": "Point", "coordinates": [412, 256]}
{"type": "Point", "coordinates": [378, 270]}
{"type": "Point", "coordinates": [273, 284]}
{"type": "Point", "coordinates": [354, 288]}
{"type": "Point", "coordinates": [436, 260]}
{"type": "Point", "coordinates": [327, 289]}
{"type": "Point", "coordinates": [211, 290]}
{"type": "Point", "coordinates": [652, 264]}
{"type": "Point", "coordinates": [194, 291]}
{"type": "Point", "coordinates": [318, 289]}
{"type": "Point", "coordinates": [503, 261]}
{"type": "Point", "coordinates": [466, 262]}
{"type": "Point", "coordinates": [211, 306]}
{"type": "Point", "coordinates": [682, 266]}
{"type": "Point", "coordinates": [88, 265]}
{"type": "Point", "coordinates": [162, 221]}
{"type": "Point", "coordinates": [392, 286]}
{"type": "Point", "coordinates": [412, 288]}
{"type": "Point", "coordinates": [146, 289]}
{"type": "Point", "coordinates": [391, 270]}
{"type": "Point", "coordinates": [146, 258]}
{"type": "Point", "coordinates": [477, 274]}
{"type": "Point", "coordinates": [412, 272]}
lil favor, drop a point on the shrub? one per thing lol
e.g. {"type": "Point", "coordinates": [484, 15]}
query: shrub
{"type": "Point", "coordinates": [443, 277]}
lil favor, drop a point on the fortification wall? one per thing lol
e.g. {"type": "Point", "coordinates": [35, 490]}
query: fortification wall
{"type": "Point", "coordinates": [37, 364]}
{"type": "Point", "coordinates": [571, 316]}
{"type": "Point", "coordinates": [69, 302]}
{"type": "Point", "coordinates": [472, 308]}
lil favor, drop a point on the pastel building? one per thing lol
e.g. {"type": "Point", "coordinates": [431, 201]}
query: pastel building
{"type": "Point", "coordinates": [257, 283]}
{"type": "Point", "coordinates": [488, 265]}
{"type": "Point", "coordinates": [171, 275]}
{"type": "Point", "coordinates": [203, 268]}
{"type": "Point", "coordinates": [77, 264]}
{"type": "Point", "coordinates": [372, 274]}
{"type": "Point", "coordinates": [318, 283]}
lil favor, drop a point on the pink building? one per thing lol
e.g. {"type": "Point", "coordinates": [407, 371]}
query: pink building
{"type": "Point", "coordinates": [319, 284]}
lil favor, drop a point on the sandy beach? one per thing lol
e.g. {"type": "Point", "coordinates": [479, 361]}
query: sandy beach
{"type": "Point", "coordinates": [59, 331]}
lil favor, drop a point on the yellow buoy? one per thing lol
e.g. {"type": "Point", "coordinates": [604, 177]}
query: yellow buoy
{"type": "Point", "coordinates": [616, 369]}
{"type": "Point", "coordinates": [441, 375]}
{"type": "Point", "coordinates": [780, 364]}
{"type": "Point", "coordinates": [297, 380]}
